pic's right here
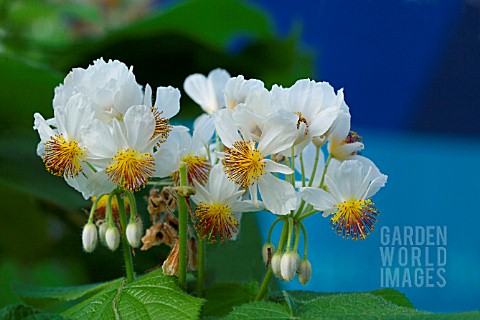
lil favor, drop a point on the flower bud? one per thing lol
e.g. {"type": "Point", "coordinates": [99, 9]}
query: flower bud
{"type": "Point", "coordinates": [288, 265]}
{"type": "Point", "coordinates": [89, 237]}
{"type": "Point", "coordinates": [112, 238]}
{"type": "Point", "coordinates": [267, 252]}
{"type": "Point", "coordinates": [134, 233]}
{"type": "Point", "coordinates": [102, 230]}
{"type": "Point", "coordinates": [276, 262]}
{"type": "Point", "coordinates": [304, 271]}
{"type": "Point", "coordinates": [319, 141]}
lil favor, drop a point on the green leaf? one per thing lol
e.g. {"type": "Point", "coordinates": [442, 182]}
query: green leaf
{"type": "Point", "coordinates": [260, 310]}
{"type": "Point", "coordinates": [353, 305]}
{"type": "Point", "coordinates": [24, 312]}
{"type": "Point", "coordinates": [393, 296]}
{"type": "Point", "coordinates": [212, 22]}
{"type": "Point", "coordinates": [153, 296]}
{"type": "Point", "coordinates": [381, 304]}
{"type": "Point", "coordinates": [221, 298]}
{"type": "Point", "coordinates": [59, 293]}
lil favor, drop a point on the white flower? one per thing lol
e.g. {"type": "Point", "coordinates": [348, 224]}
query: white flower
{"type": "Point", "coordinates": [218, 206]}
{"type": "Point", "coordinates": [238, 89]}
{"type": "Point", "coordinates": [343, 143]}
{"type": "Point", "coordinates": [245, 161]}
{"type": "Point", "coordinates": [207, 92]}
{"type": "Point", "coordinates": [123, 150]}
{"type": "Point", "coordinates": [110, 86]}
{"type": "Point", "coordinates": [167, 105]}
{"type": "Point", "coordinates": [181, 147]}
{"type": "Point", "coordinates": [316, 105]}
{"type": "Point", "coordinates": [350, 186]}
{"type": "Point", "coordinates": [62, 148]}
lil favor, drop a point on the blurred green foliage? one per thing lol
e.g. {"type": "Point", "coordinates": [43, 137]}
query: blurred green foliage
{"type": "Point", "coordinates": [40, 41]}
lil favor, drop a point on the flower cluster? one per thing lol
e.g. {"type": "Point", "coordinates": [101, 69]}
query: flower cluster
{"type": "Point", "coordinates": [254, 149]}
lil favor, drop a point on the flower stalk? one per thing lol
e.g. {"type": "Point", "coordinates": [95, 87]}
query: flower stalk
{"type": "Point", "coordinates": [127, 252]}
{"type": "Point", "coordinates": [182, 230]}
{"type": "Point", "coordinates": [268, 276]}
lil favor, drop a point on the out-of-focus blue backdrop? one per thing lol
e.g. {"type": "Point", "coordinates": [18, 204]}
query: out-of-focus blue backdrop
{"type": "Point", "coordinates": [411, 73]}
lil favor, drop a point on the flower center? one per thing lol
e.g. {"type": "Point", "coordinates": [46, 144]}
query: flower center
{"type": "Point", "coordinates": [215, 221]}
{"type": "Point", "coordinates": [301, 119]}
{"type": "Point", "coordinates": [131, 169]}
{"type": "Point", "coordinates": [197, 169]}
{"type": "Point", "coordinates": [354, 219]}
{"type": "Point", "coordinates": [352, 137]}
{"type": "Point", "coordinates": [162, 127]}
{"type": "Point", "coordinates": [62, 157]}
{"type": "Point", "coordinates": [243, 163]}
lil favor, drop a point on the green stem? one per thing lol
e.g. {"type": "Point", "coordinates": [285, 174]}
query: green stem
{"type": "Point", "coordinates": [271, 228]}
{"type": "Point", "coordinates": [290, 231]}
{"type": "Point", "coordinates": [292, 165]}
{"type": "Point", "coordinates": [94, 207]}
{"type": "Point", "coordinates": [305, 240]}
{"type": "Point", "coordinates": [133, 206]}
{"type": "Point", "coordinates": [268, 276]}
{"type": "Point", "coordinates": [325, 171]}
{"type": "Point", "coordinates": [297, 236]}
{"type": "Point", "coordinates": [308, 214]}
{"type": "Point", "coordinates": [182, 231]}
{"type": "Point", "coordinates": [302, 167]}
{"type": "Point", "coordinates": [264, 287]}
{"type": "Point", "coordinates": [127, 252]}
{"type": "Point", "coordinates": [201, 267]}
{"type": "Point", "coordinates": [315, 164]}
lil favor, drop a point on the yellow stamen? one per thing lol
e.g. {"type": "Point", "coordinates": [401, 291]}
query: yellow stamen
{"type": "Point", "coordinates": [162, 127]}
{"type": "Point", "coordinates": [243, 163]}
{"type": "Point", "coordinates": [215, 221]}
{"type": "Point", "coordinates": [354, 219]}
{"type": "Point", "coordinates": [131, 169]}
{"type": "Point", "coordinates": [62, 157]}
{"type": "Point", "coordinates": [301, 119]}
{"type": "Point", "coordinates": [198, 169]}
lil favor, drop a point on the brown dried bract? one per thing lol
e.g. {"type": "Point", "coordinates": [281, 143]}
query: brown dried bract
{"type": "Point", "coordinates": [162, 201]}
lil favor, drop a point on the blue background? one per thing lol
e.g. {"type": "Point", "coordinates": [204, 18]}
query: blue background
{"type": "Point", "coordinates": [411, 73]}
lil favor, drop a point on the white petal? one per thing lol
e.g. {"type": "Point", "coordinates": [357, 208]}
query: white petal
{"type": "Point", "coordinates": [237, 90]}
{"type": "Point", "coordinates": [201, 194]}
{"type": "Point", "coordinates": [147, 99]}
{"type": "Point", "coordinates": [221, 188]}
{"type": "Point", "coordinates": [279, 133]}
{"type": "Point", "coordinates": [244, 206]}
{"type": "Point", "coordinates": [375, 185]}
{"type": "Point", "coordinates": [204, 127]}
{"type": "Point", "coordinates": [340, 129]}
{"type": "Point", "coordinates": [167, 101]}
{"type": "Point", "coordinates": [140, 125]}
{"type": "Point", "coordinates": [166, 161]}
{"type": "Point", "coordinates": [218, 79]}
{"type": "Point", "coordinates": [272, 166]}
{"type": "Point", "coordinates": [345, 151]}
{"type": "Point", "coordinates": [323, 121]}
{"type": "Point", "coordinates": [197, 88]}
{"type": "Point", "coordinates": [226, 128]}
{"type": "Point", "coordinates": [278, 195]}
{"type": "Point", "coordinates": [129, 94]}
{"type": "Point", "coordinates": [320, 199]}
{"type": "Point", "coordinates": [44, 130]}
